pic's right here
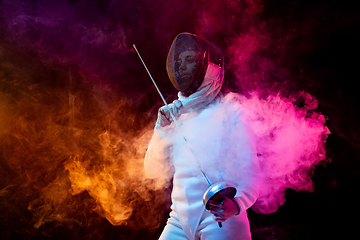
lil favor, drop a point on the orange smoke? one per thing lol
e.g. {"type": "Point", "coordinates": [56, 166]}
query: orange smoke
{"type": "Point", "coordinates": [73, 148]}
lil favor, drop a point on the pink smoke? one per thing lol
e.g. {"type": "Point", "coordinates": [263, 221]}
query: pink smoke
{"type": "Point", "coordinates": [76, 48]}
{"type": "Point", "coordinates": [290, 144]}
{"type": "Point", "coordinates": [290, 133]}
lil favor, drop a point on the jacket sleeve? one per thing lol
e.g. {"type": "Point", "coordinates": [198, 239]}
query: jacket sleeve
{"type": "Point", "coordinates": [157, 159]}
{"type": "Point", "coordinates": [248, 174]}
{"type": "Point", "coordinates": [248, 186]}
{"type": "Point", "coordinates": [245, 198]}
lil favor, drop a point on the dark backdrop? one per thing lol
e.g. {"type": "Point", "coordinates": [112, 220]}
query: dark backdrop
{"type": "Point", "coordinates": [57, 56]}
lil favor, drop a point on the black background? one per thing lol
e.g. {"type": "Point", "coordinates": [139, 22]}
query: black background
{"type": "Point", "coordinates": [62, 45]}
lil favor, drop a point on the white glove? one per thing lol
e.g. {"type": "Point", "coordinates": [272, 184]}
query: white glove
{"type": "Point", "coordinates": [164, 117]}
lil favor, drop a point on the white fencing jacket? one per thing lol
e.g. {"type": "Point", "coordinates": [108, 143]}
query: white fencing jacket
{"type": "Point", "coordinates": [223, 146]}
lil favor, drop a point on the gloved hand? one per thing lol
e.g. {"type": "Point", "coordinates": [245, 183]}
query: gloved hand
{"type": "Point", "coordinates": [223, 209]}
{"type": "Point", "coordinates": [164, 117]}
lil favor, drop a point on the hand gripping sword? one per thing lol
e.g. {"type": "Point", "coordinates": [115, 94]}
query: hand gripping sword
{"type": "Point", "coordinates": [215, 191]}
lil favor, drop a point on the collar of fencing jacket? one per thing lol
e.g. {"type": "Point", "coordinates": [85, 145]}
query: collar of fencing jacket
{"type": "Point", "coordinates": [207, 91]}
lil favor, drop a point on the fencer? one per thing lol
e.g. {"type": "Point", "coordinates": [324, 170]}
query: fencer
{"type": "Point", "coordinates": [220, 140]}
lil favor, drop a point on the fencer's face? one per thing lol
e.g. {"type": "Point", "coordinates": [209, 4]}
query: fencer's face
{"type": "Point", "coordinates": [187, 63]}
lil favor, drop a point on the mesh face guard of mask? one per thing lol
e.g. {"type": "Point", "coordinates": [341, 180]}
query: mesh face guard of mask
{"type": "Point", "coordinates": [188, 59]}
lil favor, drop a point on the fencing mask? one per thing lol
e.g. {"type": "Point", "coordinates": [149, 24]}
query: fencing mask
{"type": "Point", "coordinates": [188, 60]}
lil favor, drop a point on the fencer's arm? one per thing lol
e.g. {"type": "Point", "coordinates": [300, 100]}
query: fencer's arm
{"type": "Point", "coordinates": [156, 159]}
{"type": "Point", "coordinates": [249, 186]}
{"type": "Point", "coordinates": [157, 155]}
{"type": "Point", "coordinates": [245, 199]}
{"type": "Point", "coordinates": [248, 189]}
{"type": "Point", "coordinates": [247, 193]}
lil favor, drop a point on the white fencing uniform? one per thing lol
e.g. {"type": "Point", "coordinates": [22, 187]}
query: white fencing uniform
{"type": "Point", "coordinates": [222, 145]}
{"type": "Point", "coordinates": [224, 150]}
